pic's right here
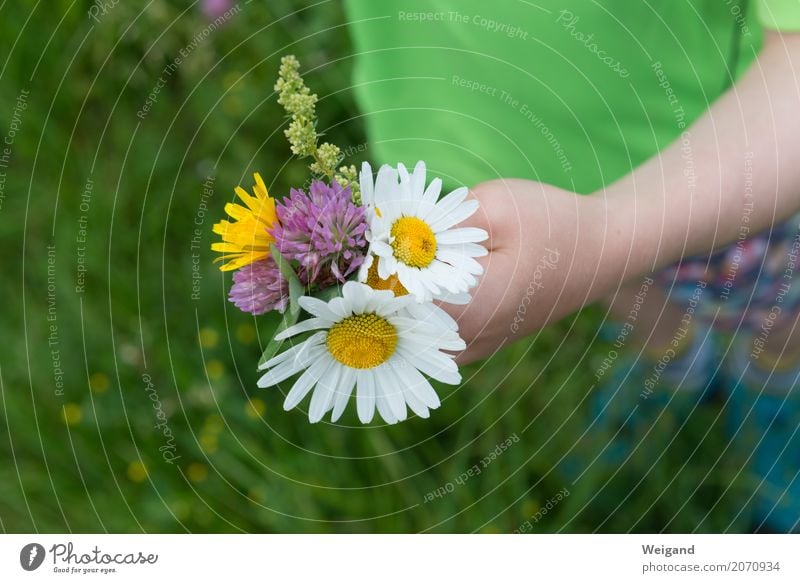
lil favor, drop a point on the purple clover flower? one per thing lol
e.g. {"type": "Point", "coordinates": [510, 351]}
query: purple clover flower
{"type": "Point", "coordinates": [213, 9]}
{"type": "Point", "coordinates": [323, 231]}
{"type": "Point", "coordinates": [259, 287]}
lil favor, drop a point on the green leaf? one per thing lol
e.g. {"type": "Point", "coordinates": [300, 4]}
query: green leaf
{"type": "Point", "coordinates": [296, 289]}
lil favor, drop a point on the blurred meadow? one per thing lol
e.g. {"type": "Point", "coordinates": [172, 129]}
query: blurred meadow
{"type": "Point", "coordinates": [113, 314]}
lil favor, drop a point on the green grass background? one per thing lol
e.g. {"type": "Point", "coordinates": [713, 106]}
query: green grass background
{"type": "Point", "coordinates": [89, 460]}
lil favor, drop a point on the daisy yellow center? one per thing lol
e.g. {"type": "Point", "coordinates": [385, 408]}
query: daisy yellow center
{"type": "Point", "coordinates": [414, 242]}
{"type": "Point", "coordinates": [392, 283]}
{"type": "Point", "coordinates": [362, 341]}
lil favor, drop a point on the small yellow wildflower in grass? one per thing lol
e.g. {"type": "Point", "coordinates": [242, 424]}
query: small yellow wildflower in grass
{"type": "Point", "coordinates": [137, 471]}
{"type": "Point", "coordinates": [257, 495]}
{"type": "Point", "coordinates": [99, 382]}
{"type": "Point", "coordinates": [530, 507]}
{"type": "Point", "coordinates": [209, 442]}
{"type": "Point", "coordinates": [246, 333]}
{"type": "Point", "coordinates": [246, 239]}
{"type": "Point", "coordinates": [255, 408]}
{"type": "Point", "coordinates": [72, 414]}
{"type": "Point", "coordinates": [213, 423]}
{"type": "Point", "coordinates": [197, 472]}
{"type": "Point", "coordinates": [208, 337]}
{"type": "Point", "coordinates": [215, 369]}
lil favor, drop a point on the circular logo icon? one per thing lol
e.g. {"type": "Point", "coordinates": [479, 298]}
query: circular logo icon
{"type": "Point", "coordinates": [31, 556]}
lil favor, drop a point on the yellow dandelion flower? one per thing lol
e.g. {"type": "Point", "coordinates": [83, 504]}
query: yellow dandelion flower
{"type": "Point", "coordinates": [247, 238]}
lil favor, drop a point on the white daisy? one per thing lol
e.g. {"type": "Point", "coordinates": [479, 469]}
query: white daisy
{"type": "Point", "coordinates": [412, 236]}
{"type": "Point", "coordinates": [365, 339]}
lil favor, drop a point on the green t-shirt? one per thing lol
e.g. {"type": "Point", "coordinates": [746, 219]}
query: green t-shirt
{"type": "Point", "coordinates": [574, 94]}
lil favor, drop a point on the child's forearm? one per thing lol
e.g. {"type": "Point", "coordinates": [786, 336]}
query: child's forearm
{"type": "Point", "coordinates": [735, 171]}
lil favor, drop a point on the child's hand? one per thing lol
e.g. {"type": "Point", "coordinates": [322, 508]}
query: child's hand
{"type": "Point", "coordinates": [544, 246]}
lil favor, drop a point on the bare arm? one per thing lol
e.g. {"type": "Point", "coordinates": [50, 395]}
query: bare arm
{"type": "Point", "coordinates": [553, 252]}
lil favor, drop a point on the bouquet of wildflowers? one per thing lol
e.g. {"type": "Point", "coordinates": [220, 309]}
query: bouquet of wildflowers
{"type": "Point", "coordinates": [358, 264]}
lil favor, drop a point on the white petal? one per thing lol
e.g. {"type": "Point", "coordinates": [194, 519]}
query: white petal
{"type": "Point", "coordinates": [459, 261]}
{"type": "Point", "coordinates": [294, 351]}
{"type": "Point", "coordinates": [382, 250]}
{"type": "Point", "coordinates": [304, 326]}
{"type": "Point", "coordinates": [343, 391]}
{"type": "Point", "coordinates": [365, 396]}
{"type": "Point", "coordinates": [466, 249]}
{"type": "Point", "coordinates": [428, 200]}
{"type": "Point", "coordinates": [382, 404]}
{"type": "Point", "coordinates": [306, 381]}
{"type": "Point", "coordinates": [418, 180]}
{"type": "Point", "coordinates": [317, 307]}
{"type": "Point", "coordinates": [355, 293]}
{"type": "Point", "coordinates": [386, 185]}
{"type": "Point", "coordinates": [434, 364]}
{"type": "Point", "coordinates": [464, 211]}
{"type": "Point", "coordinates": [419, 385]}
{"type": "Point", "coordinates": [392, 390]}
{"type": "Point", "coordinates": [387, 266]}
{"type": "Point", "coordinates": [444, 340]}
{"type": "Point", "coordinates": [462, 235]}
{"type": "Point", "coordinates": [363, 271]}
{"type": "Point", "coordinates": [365, 179]}
{"type": "Point", "coordinates": [459, 299]}
{"type": "Point", "coordinates": [417, 406]}
{"type": "Point", "coordinates": [450, 202]}
{"type": "Point", "coordinates": [324, 393]}
{"type": "Point", "coordinates": [290, 365]}
{"type": "Point", "coordinates": [431, 314]}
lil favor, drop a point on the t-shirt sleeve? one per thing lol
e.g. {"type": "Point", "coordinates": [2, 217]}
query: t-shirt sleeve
{"type": "Point", "coordinates": [779, 14]}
